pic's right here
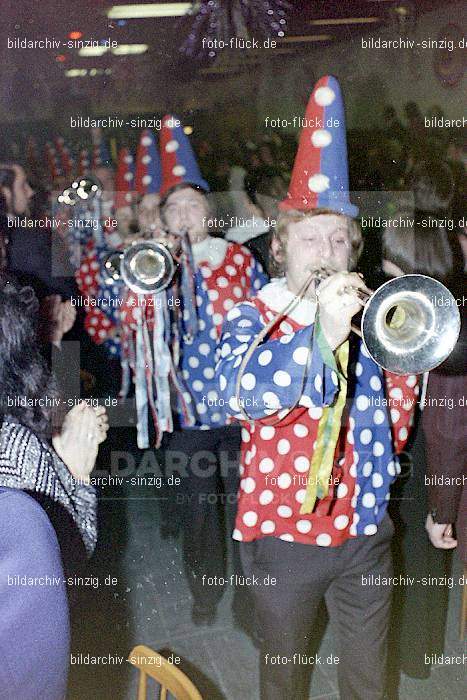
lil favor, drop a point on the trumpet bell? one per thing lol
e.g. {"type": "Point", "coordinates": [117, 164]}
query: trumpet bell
{"type": "Point", "coordinates": [147, 267]}
{"type": "Point", "coordinates": [410, 324]}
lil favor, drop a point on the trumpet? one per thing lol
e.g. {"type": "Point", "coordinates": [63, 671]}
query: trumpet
{"type": "Point", "coordinates": [146, 267]}
{"type": "Point", "coordinates": [409, 325]}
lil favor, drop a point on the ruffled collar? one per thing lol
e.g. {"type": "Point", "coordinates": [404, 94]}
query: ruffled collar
{"type": "Point", "coordinates": [276, 296]}
{"type": "Point", "coordinates": [211, 250]}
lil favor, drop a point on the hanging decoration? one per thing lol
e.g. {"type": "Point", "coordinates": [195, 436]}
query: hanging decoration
{"type": "Point", "coordinates": [219, 24]}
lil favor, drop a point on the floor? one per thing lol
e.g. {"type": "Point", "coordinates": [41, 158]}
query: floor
{"type": "Point", "coordinates": [150, 604]}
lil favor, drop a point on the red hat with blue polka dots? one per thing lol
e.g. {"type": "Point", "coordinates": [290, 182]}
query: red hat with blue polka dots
{"type": "Point", "coordinates": [320, 177]}
{"type": "Point", "coordinates": [124, 179]}
{"type": "Point", "coordinates": [148, 166]}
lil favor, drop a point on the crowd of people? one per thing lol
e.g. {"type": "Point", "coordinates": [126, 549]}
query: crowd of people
{"type": "Point", "coordinates": [245, 376]}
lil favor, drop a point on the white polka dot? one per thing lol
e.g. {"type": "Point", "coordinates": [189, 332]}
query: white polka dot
{"type": "Point", "coordinates": [250, 518]}
{"type": "Point", "coordinates": [342, 491]}
{"type": "Point", "coordinates": [204, 349]}
{"type": "Point", "coordinates": [266, 497]}
{"type": "Point", "coordinates": [284, 480]}
{"type": "Point", "coordinates": [375, 383]}
{"type": "Point", "coordinates": [233, 314]}
{"type": "Point", "coordinates": [283, 447]}
{"type": "Point", "coordinates": [238, 292]}
{"type": "Point", "coordinates": [270, 400]}
{"type": "Point", "coordinates": [323, 540]}
{"type": "Point", "coordinates": [213, 294]}
{"type": "Point", "coordinates": [267, 527]}
{"type": "Point", "coordinates": [370, 529]}
{"type": "Point", "coordinates": [396, 393]}
{"type": "Point", "coordinates": [240, 349]}
{"type": "Point", "coordinates": [300, 430]}
{"type": "Point", "coordinates": [366, 436]}
{"type": "Point", "coordinates": [231, 271]}
{"type": "Point", "coordinates": [403, 433]}
{"type": "Point", "coordinates": [300, 355]}
{"type": "Point", "coordinates": [391, 468]}
{"type": "Point", "coordinates": [362, 402]}
{"type": "Point", "coordinates": [320, 138]}
{"type": "Point", "coordinates": [248, 381]}
{"type": "Point", "coordinates": [286, 537]}
{"type": "Point", "coordinates": [201, 408]}
{"type": "Point", "coordinates": [264, 358]}
{"type": "Point", "coordinates": [377, 480]}
{"type": "Point", "coordinates": [222, 282]}
{"type": "Point", "coordinates": [266, 465]}
{"type": "Point", "coordinates": [378, 417]}
{"type": "Point", "coordinates": [302, 464]}
{"type": "Point", "coordinates": [248, 485]}
{"type": "Point", "coordinates": [378, 449]}
{"type": "Point", "coordinates": [286, 339]}
{"type": "Point", "coordinates": [303, 526]}
{"type": "Point", "coordinates": [178, 170]}
{"type": "Point", "coordinates": [146, 159]}
{"type": "Point", "coordinates": [367, 469]}
{"type": "Point", "coordinates": [369, 500]}
{"type": "Point", "coordinates": [318, 183]}
{"type": "Point", "coordinates": [358, 369]}
{"type": "Point", "coordinates": [209, 309]}
{"type": "Point", "coordinates": [284, 511]}
{"type": "Point", "coordinates": [171, 146]}
{"type": "Point", "coordinates": [281, 378]}
{"type": "Point", "coordinates": [395, 415]}
{"type": "Point", "coordinates": [208, 372]}
{"type": "Point", "coordinates": [146, 179]}
{"type": "Point", "coordinates": [237, 535]}
{"type": "Point", "coordinates": [228, 303]}
{"type": "Point", "coordinates": [318, 382]}
{"type": "Point", "coordinates": [300, 495]}
{"type": "Point", "coordinates": [267, 432]}
{"type": "Point", "coordinates": [350, 438]}
{"type": "Point", "coordinates": [341, 522]}
{"type": "Point", "coordinates": [315, 412]}
{"type": "Point", "coordinates": [193, 361]}
{"type": "Point", "coordinates": [353, 470]}
{"type": "Point", "coordinates": [411, 381]}
{"type": "Point", "coordinates": [198, 385]}
{"type": "Point", "coordinates": [324, 96]}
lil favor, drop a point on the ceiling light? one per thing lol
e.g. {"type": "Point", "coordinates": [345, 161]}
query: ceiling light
{"type": "Point", "coordinates": [163, 9]}
{"type": "Point", "coordinates": [303, 39]}
{"type": "Point", "coordinates": [93, 50]}
{"type": "Point", "coordinates": [188, 130]}
{"type": "Point", "coordinates": [346, 20]}
{"type": "Point", "coordinates": [76, 72]}
{"type": "Point", "coordinates": [127, 49]}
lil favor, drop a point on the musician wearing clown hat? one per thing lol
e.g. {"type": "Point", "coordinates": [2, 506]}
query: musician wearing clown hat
{"type": "Point", "coordinates": [318, 454]}
{"type": "Point", "coordinates": [223, 273]}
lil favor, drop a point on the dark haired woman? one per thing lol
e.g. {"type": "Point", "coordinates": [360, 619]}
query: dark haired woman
{"type": "Point", "coordinates": [47, 510]}
{"type": "Point", "coordinates": [431, 248]}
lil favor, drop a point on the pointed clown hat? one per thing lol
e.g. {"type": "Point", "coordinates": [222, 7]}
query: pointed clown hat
{"type": "Point", "coordinates": [100, 155]}
{"type": "Point", "coordinates": [148, 165]}
{"type": "Point", "coordinates": [124, 179]}
{"type": "Point", "coordinates": [320, 177]}
{"type": "Point", "coordinates": [83, 162]}
{"type": "Point", "coordinates": [179, 164]}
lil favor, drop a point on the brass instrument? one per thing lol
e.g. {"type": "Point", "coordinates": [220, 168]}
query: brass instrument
{"type": "Point", "coordinates": [409, 325]}
{"type": "Point", "coordinates": [146, 267]}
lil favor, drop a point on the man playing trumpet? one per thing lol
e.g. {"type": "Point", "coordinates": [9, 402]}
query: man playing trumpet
{"type": "Point", "coordinates": [319, 458]}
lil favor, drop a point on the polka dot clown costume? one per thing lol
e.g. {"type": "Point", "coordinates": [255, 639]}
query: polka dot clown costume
{"type": "Point", "coordinates": [102, 319]}
{"type": "Point", "coordinates": [213, 276]}
{"type": "Point", "coordinates": [276, 458]}
{"type": "Point", "coordinates": [319, 449]}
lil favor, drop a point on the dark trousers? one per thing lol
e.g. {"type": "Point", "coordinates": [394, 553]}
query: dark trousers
{"type": "Point", "coordinates": [286, 612]}
{"type": "Point", "coordinates": [204, 503]}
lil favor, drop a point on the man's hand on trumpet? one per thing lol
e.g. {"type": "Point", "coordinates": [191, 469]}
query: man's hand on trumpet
{"type": "Point", "coordinates": [339, 301]}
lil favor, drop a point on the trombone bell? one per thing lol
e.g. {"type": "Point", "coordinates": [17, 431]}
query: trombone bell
{"type": "Point", "coordinates": [146, 267]}
{"type": "Point", "coordinates": [410, 324]}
